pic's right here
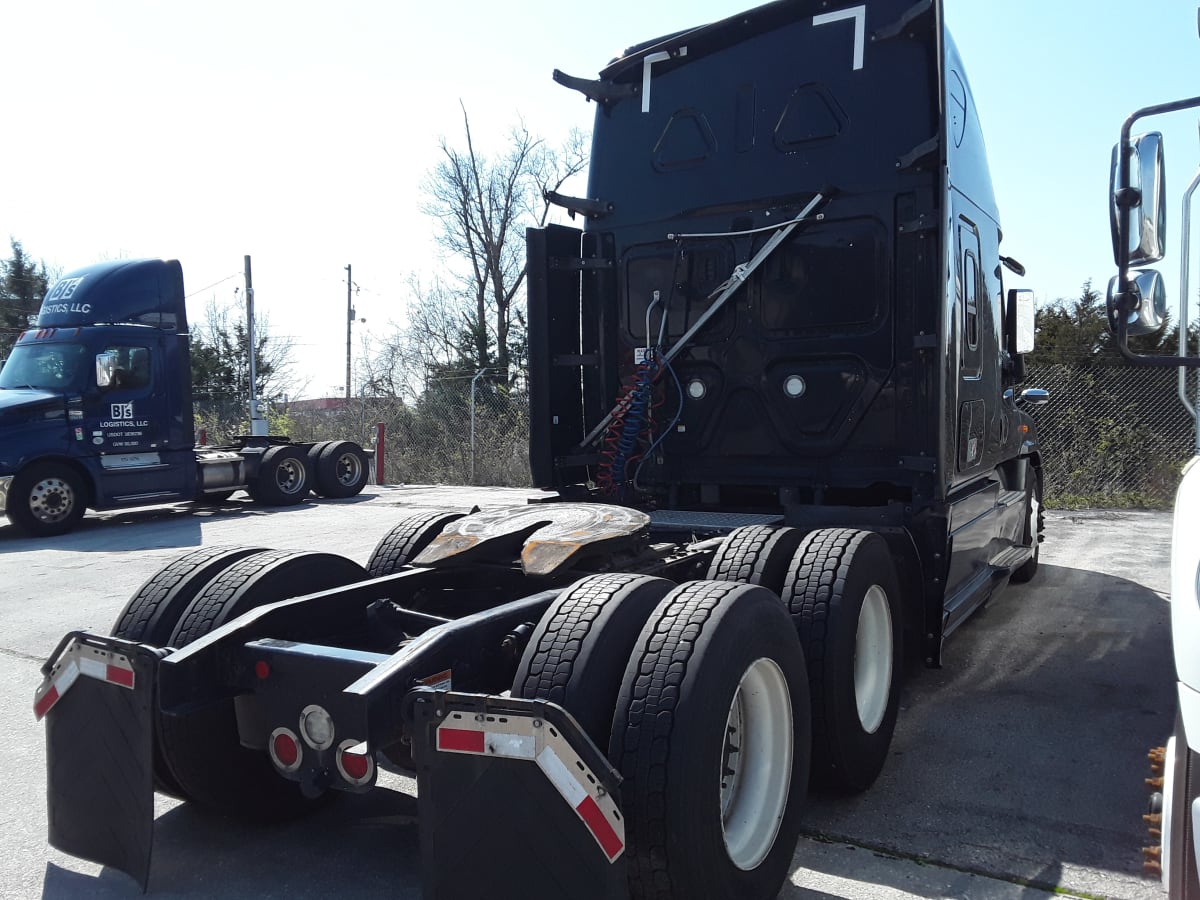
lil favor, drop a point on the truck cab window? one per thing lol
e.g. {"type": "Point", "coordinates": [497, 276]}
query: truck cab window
{"type": "Point", "coordinates": [970, 295]}
{"type": "Point", "coordinates": [132, 369]}
{"type": "Point", "coordinates": [44, 365]}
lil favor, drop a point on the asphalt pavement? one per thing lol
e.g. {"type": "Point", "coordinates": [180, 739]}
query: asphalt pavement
{"type": "Point", "coordinates": [1016, 770]}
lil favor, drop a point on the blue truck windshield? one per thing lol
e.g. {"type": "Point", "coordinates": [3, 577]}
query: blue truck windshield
{"type": "Point", "coordinates": [54, 367]}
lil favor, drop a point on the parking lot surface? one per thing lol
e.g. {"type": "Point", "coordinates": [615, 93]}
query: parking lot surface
{"type": "Point", "coordinates": [1016, 769]}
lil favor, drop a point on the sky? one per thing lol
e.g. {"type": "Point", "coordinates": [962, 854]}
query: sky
{"type": "Point", "coordinates": [300, 133]}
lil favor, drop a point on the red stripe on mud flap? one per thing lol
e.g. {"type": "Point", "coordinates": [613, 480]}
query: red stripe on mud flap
{"type": "Point", "coordinates": [610, 843]}
{"type": "Point", "coordinates": [43, 706]}
{"type": "Point", "coordinates": [461, 740]}
{"type": "Point", "coordinates": [117, 675]}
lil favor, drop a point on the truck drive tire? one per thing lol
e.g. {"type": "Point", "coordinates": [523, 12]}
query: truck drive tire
{"type": "Point", "coordinates": [340, 469]}
{"type": "Point", "coordinates": [577, 654]}
{"type": "Point", "coordinates": [711, 737]}
{"type": "Point", "coordinates": [283, 478]}
{"type": "Point", "coordinates": [408, 537]}
{"type": "Point", "coordinates": [46, 499]}
{"type": "Point", "coordinates": [202, 749]}
{"type": "Point", "coordinates": [756, 554]}
{"type": "Point", "coordinates": [152, 613]}
{"type": "Point", "coordinates": [844, 598]}
{"type": "Point", "coordinates": [1035, 525]}
{"type": "Point", "coordinates": [314, 455]}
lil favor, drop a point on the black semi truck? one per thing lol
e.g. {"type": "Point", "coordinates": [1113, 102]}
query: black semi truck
{"type": "Point", "coordinates": [96, 411]}
{"type": "Point", "coordinates": [774, 383]}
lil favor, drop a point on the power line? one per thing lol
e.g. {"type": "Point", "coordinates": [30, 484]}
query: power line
{"type": "Point", "coordinates": [213, 285]}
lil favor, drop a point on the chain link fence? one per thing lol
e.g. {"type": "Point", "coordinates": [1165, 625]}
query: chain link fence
{"type": "Point", "coordinates": [449, 434]}
{"type": "Point", "coordinates": [1111, 436]}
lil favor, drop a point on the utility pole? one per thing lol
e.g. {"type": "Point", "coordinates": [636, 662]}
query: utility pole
{"type": "Point", "coordinates": [349, 322]}
{"type": "Point", "coordinates": [258, 425]}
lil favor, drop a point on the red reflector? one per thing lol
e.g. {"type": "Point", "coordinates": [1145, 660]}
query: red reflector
{"type": "Point", "coordinates": [117, 675]}
{"type": "Point", "coordinates": [355, 766]}
{"type": "Point", "coordinates": [608, 839]}
{"type": "Point", "coordinates": [460, 739]}
{"type": "Point", "coordinates": [48, 700]}
{"type": "Point", "coordinates": [286, 750]}
{"type": "Point", "coordinates": [262, 670]}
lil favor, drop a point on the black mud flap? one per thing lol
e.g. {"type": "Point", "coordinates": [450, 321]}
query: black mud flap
{"type": "Point", "coordinates": [515, 802]}
{"type": "Point", "coordinates": [97, 700]}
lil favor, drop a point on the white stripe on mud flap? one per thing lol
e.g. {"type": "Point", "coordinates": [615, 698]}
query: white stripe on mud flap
{"type": "Point", "coordinates": [560, 776]}
{"type": "Point", "coordinates": [518, 746]}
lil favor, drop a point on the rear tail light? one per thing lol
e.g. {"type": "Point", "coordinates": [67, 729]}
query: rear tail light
{"type": "Point", "coordinates": [317, 727]}
{"type": "Point", "coordinates": [357, 768]}
{"type": "Point", "coordinates": [284, 748]}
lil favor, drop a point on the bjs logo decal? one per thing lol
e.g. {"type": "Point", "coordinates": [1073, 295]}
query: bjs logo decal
{"type": "Point", "coordinates": [122, 410]}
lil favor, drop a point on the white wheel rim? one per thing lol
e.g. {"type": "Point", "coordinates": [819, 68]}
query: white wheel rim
{"type": "Point", "coordinates": [873, 659]}
{"type": "Point", "coordinates": [51, 500]}
{"type": "Point", "coordinates": [756, 763]}
{"type": "Point", "coordinates": [1034, 506]}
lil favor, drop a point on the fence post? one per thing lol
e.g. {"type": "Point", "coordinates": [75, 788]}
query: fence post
{"type": "Point", "coordinates": [474, 380]}
{"type": "Point", "coordinates": [380, 435]}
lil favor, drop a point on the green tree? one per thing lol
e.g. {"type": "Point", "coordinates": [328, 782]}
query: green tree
{"type": "Point", "coordinates": [23, 284]}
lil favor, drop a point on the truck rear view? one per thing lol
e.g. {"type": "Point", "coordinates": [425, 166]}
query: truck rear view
{"type": "Point", "coordinates": [773, 381]}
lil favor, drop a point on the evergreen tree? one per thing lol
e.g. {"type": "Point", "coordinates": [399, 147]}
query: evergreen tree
{"type": "Point", "coordinates": [23, 284]}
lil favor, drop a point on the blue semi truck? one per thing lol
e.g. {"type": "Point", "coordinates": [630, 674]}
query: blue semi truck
{"type": "Point", "coordinates": [96, 411]}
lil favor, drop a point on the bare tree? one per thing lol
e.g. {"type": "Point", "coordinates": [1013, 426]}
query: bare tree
{"type": "Point", "coordinates": [221, 358]}
{"type": "Point", "coordinates": [473, 318]}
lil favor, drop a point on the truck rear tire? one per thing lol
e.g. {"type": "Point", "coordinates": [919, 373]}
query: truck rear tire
{"type": "Point", "coordinates": [408, 537]}
{"type": "Point", "coordinates": [711, 736]}
{"type": "Point", "coordinates": [314, 454]}
{"type": "Point", "coordinates": [340, 470]}
{"type": "Point", "coordinates": [756, 554]}
{"type": "Point", "coordinates": [844, 598]}
{"type": "Point", "coordinates": [202, 749]}
{"type": "Point", "coordinates": [577, 654]}
{"type": "Point", "coordinates": [283, 478]}
{"type": "Point", "coordinates": [1035, 525]}
{"type": "Point", "coordinates": [46, 499]}
{"type": "Point", "coordinates": [152, 613]}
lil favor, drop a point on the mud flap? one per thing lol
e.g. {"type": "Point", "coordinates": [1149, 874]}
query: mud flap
{"type": "Point", "coordinates": [97, 701]}
{"type": "Point", "coordinates": [515, 801]}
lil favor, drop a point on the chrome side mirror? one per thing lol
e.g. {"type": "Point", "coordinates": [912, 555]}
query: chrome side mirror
{"type": "Point", "coordinates": [1149, 311]}
{"type": "Point", "coordinates": [1034, 397]}
{"type": "Point", "coordinates": [1145, 225]}
{"type": "Point", "coordinates": [106, 368]}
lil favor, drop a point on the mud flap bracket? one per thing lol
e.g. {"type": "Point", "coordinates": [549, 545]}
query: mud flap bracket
{"type": "Point", "coordinates": [516, 788]}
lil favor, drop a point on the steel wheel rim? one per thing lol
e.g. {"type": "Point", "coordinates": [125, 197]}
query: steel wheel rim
{"type": "Point", "coordinates": [349, 469]}
{"type": "Point", "coordinates": [873, 659]}
{"type": "Point", "coordinates": [1034, 508]}
{"type": "Point", "coordinates": [756, 763]}
{"type": "Point", "coordinates": [289, 476]}
{"type": "Point", "coordinates": [51, 500]}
